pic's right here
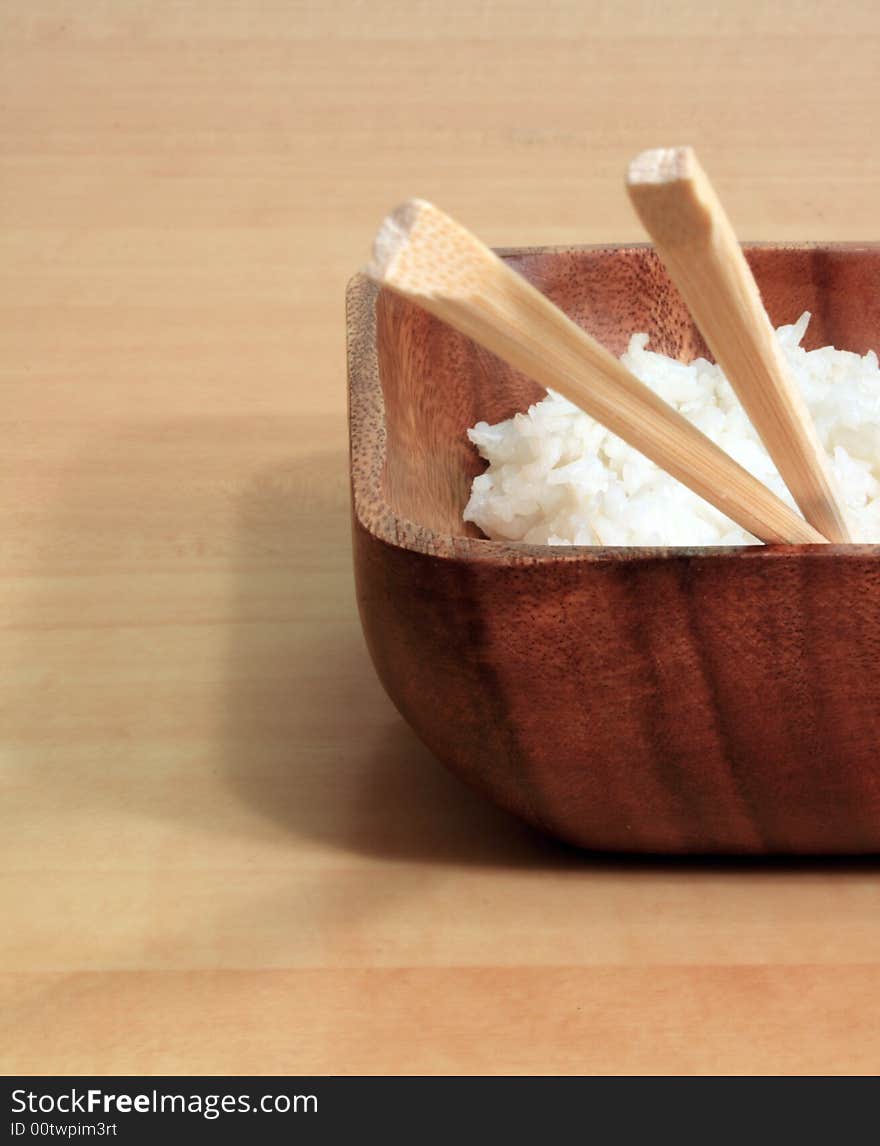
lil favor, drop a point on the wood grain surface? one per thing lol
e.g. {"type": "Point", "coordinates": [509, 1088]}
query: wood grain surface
{"type": "Point", "coordinates": [221, 848]}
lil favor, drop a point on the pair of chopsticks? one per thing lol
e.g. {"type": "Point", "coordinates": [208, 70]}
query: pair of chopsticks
{"type": "Point", "coordinates": [429, 258]}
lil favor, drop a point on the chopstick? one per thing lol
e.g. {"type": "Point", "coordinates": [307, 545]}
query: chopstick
{"type": "Point", "coordinates": [430, 259]}
{"type": "Point", "coordinates": [693, 236]}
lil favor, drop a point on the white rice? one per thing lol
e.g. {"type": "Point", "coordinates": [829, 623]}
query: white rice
{"type": "Point", "coordinates": [557, 477]}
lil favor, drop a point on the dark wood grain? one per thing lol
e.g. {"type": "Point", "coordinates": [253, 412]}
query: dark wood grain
{"type": "Point", "coordinates": [656, 700]}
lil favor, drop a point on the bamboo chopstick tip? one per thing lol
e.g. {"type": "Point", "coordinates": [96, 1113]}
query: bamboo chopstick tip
{"type": "Point", "coordinates": [660, 165]}
{"type": "Point", "coordinates": [422, 252]}
{"type": "Point", "coordinates": [672, 197]}
{"type": "Point", "coordinates": [392, 237]}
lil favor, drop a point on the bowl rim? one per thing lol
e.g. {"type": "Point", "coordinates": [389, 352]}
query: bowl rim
{"type": "Point", "coordinates": [367, 437]}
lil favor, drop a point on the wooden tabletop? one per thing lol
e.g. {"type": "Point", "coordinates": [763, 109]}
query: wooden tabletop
{"type": "Point", "coordinates": [222, 850]}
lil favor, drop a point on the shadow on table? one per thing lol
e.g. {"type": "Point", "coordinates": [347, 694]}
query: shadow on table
{"type": "Point", "coordinates": [388, 797]}
{"type": "Point", "coordinates": [335, 762]}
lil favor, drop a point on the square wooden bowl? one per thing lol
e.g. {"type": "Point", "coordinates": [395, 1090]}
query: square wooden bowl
{"type": "Point", "coordinates": [641, 700]}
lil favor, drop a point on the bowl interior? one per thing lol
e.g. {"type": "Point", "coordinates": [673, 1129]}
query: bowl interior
{"type": "Point", "coordinates": [435, 383]}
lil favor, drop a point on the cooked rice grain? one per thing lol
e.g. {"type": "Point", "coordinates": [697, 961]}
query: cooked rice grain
{"type": "Point", "coordinates": [557, 477]}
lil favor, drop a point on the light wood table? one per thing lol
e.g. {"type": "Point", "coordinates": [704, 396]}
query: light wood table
{"type": "Point", "coordinates": [222, 850]}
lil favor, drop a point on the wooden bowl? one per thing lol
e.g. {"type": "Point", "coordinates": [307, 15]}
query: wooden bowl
{"type": "Point", "coordinates": [639, 700]}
